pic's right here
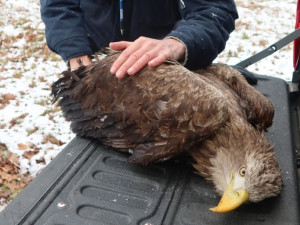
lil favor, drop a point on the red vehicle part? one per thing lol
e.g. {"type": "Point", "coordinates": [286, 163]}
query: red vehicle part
{"type": "Point", "coordinates": [297, 41]}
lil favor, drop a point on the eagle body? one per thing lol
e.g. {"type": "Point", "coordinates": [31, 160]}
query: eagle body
{"type": "Point", "coordinates": [212, 115]}
{"type": "Point", "coordinates": [155, 118]}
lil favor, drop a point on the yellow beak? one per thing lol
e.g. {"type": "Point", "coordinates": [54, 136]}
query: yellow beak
{"type": "Point", "coordinates": [231, 199]}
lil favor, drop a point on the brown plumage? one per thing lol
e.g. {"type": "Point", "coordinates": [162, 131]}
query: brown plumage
{"type": "Point", "coordinates": [213, 115]}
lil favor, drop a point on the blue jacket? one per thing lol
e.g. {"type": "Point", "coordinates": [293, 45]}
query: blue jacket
{"type": "Point", "coordinates": [81, 27]}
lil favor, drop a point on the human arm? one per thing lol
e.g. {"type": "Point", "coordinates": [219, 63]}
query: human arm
{"type": "Point", "coordinates": [204, 28]}
{"type": "Point", "coordinates": [203, 31]}
{"type": "Point", "coordinates": [65, 30]}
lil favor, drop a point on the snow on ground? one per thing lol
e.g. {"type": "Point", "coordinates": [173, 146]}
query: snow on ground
{"type": "Point", "coordinates": [261, 23]}
{"type": "Point", "coordinates": [30, 126]}
{"type": "Point", "coordinates": [27, 118]}
{"type": "Point", "coordinates": [34, 129]}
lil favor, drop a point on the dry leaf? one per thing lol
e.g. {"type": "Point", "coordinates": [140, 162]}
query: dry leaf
{"type": "Point", "coordinates": [41, 160]}
{"type": "Point", "coordinates": [9, 97]}
{"type": "Point", "coordinates": [3, 147]}
{"type": "Point", "coordinates": [8, 167]}
{"type": "Point", "coordinates": [4, 194]}
{"type": "Point", "coordinates": [22, 146]}
{"type": "Point", "coordinates": [17, 120]}
{"type": "Point", "coordinates": [33, 147]}
{"type": "Point", "coordinates": [13, 185]}
{"type": "Point", "coordinates": [5, 176]}
{"type": "Point", "coordinates": [31, 131]}
{"type": "Point", "coordinates": [50, 138]}
{"type": "Point", "coordinates": [13, 158]}
{"type": "Point", "coordinates": [5, 98]}
{"type": "Point", "coordinates": [28, 154]}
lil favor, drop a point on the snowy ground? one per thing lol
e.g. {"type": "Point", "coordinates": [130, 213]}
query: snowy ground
{"type": "Point", "coordinates": [262, 23]}
{"type": "Point", "coordinates": [35, 131]}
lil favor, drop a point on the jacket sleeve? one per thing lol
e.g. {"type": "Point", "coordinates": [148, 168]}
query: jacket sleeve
{"type": "Point", "coordinates": [204, 29]}
{"type": "Point", "coordinates": [65, 31]}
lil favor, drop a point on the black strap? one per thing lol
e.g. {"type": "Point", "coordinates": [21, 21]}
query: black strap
{"type": "Point", "coordinates": [270, 50]}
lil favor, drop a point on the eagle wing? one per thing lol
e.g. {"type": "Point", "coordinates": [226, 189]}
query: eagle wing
{"type": "Point", "coordinates": [258, 108]}
{"type": "Point", "coordinates": [157, 113]}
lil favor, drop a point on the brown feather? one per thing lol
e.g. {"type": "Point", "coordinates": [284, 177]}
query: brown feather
{"type": "Point", "coordinates": [160, 112]}
{"type": "Point", "coordinates": [213, 115]}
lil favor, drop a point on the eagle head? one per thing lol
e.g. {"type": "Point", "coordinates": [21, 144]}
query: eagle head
{"type": "Point", "coordinates": [241, 171]}
{"type": "Point", "coordinates": [248, 174]}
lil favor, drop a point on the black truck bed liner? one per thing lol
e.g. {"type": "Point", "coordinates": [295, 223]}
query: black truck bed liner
{"type": "Point", "coordinates": [87, 184]}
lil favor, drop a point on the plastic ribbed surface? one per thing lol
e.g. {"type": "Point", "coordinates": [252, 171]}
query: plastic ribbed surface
{"type": "Point", "coordinates": [87, 184]}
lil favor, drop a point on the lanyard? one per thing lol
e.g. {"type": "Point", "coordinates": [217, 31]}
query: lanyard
{"type": "Point", "coordinates": [121, 18]}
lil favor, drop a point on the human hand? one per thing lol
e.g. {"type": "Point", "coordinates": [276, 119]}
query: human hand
{"type": "Point", "coordinates": [144, 51]}
{"type": "Point", "coordinates": [79, 61]}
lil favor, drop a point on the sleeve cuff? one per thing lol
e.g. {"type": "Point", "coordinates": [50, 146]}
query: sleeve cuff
{"type": "Point", "coordinates": [183, 60]}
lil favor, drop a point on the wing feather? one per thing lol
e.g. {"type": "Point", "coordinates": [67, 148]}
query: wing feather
{"type": "Point", "coordinates": [259, 109]}
{"type": "Point", "coordinates": [157, 113]}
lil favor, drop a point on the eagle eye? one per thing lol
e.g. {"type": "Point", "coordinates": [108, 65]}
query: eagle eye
{"type": "Point", "coordinates": [242, 171]}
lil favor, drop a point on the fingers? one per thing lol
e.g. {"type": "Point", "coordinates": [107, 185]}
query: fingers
{"type": "Point", "coordinates": [120, 45]}
{"type": "Point", "coordinates": [144, 51]}
{"type": "Point", "coordinates": [135, 57]}
{"type": "Point", "coordinates": [132, 63]}
{"type": "Point", "coordinates": [158, 60]}
{"type": "Point", "coordinates": [120, 66]}
{"type": "Point", "coordinates": [127, 58]}
{"type": "Point", "coordinates": [137, 61]}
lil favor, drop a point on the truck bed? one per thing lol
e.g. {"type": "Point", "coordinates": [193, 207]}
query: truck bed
{"type": "Point", "coordinates": [88, 184]}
